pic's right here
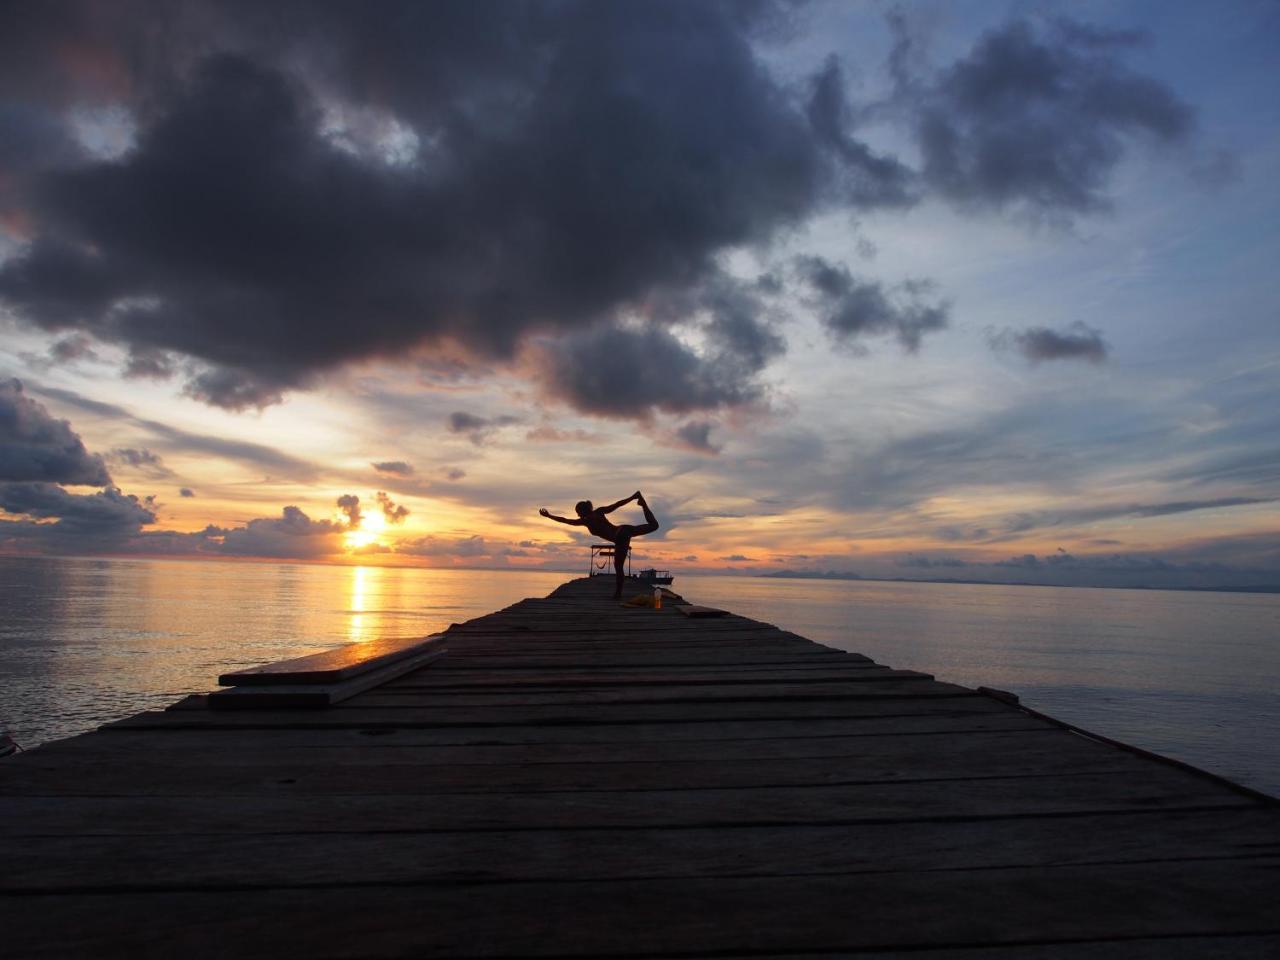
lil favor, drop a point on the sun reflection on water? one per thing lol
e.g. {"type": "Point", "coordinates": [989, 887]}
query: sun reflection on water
{"type": "Point", "coordinates": [360, 629]}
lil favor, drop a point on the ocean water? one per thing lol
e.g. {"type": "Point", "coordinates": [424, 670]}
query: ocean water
{"type": "Point", "coordinates": [1188, 675]}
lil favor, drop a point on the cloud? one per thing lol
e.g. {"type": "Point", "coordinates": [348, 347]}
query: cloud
{"type": "Point", "coordinates": [36, 447]}
{"type": "Point", "coordinates": [868, 179]}
{"type": "Point", "coordinates": [394, 468]}
{"type": "Point", "coordinates": [432, 546]}
{"type": "Point", "coordinates": [349, 504]}
{"type": "Point", "coordinates": [107, 508]}
{"type": "Point", "coordinates": [1039, 344]}
{"type": "Point", "coordinates": [453, 474]}
{"type": "Point", "coordinates": [1026, 521]}
{"type": "Point", "coordinates": [465, 176]}
{"type": "Point", "coordinates": [929, 563]}
{"type": "Point", "coordinates": [72, 348]}
{"type": "Point", "coordinates": [186, 492]}
{"type": "Point", "coordinates": [625, 372]}
{"type": "Point", "coordinates": [736, 558]}
{"type": "Point", "coordinates": [850, 308]}
{"type": "Point", "coordinates": [696, 435]}
{"type": "Point", "coordinates": [271, 461]}
{"type": "Point", "coordinates": [1119, 564]}
{"type": "Point", "coordinates": [1035, 118]}
{"type": "Point", "coordinates": [292, 534]}
{"type": "Point", "coordinates": [393, 513]}
{"type": "Point", "coordinates": [142, 459]}
{"type": "Point", "coordinates": [549, 434]}
{"type": "Point", "coordinates": [446, 186]}
{"type": "Point", "coordinates": [50, 519]}
{"type": "Point", "coordinates": [479, 430]}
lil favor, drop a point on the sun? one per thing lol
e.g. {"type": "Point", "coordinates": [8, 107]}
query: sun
{"type": "Point", "coordinates": [371, 525]}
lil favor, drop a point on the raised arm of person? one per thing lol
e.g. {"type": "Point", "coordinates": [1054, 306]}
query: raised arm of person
{"type": "Point", "coordinates": [621, 503]}
{"type": "Point", "coordinates": [575, 522]}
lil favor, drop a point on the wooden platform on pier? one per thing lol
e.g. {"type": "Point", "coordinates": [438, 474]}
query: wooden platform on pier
{"type": "Point", "coordinates": [578, 780]}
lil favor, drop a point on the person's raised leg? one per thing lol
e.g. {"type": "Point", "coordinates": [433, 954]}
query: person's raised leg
{"type": "Point", "coordinates": [651, 522]}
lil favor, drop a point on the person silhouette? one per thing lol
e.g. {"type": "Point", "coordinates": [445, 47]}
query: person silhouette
{"type": "Point", "coordinates": [593, 518]}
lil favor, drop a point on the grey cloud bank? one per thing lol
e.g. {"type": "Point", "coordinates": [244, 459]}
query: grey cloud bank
{"type": "Point", "coordinates": [468, 176]}
{"type": "Point", "coordinates": [36, 447]}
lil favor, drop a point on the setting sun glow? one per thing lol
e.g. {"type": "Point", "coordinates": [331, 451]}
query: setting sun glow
{"type": "Point", "coordinates": [366, 534]}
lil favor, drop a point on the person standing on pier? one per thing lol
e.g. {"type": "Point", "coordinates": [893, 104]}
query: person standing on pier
{"type": "Point", "coordinates": [593, 518]}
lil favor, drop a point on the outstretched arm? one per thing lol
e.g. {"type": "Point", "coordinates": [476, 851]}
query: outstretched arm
{"type": "Point", "coordinates": [621, 503]}
{"type": "Point", "coordinates": [551, 516]}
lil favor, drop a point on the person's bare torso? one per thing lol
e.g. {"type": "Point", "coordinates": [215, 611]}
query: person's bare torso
{"type": "Point", "coordinates": [600, 526]}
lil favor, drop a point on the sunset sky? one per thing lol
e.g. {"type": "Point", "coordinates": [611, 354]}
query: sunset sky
{"type": "Point", "coordinates": [931, 289]}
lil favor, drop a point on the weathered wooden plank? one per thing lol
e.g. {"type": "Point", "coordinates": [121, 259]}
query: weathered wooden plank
{"type": "Point", "coordinates": [272, 809]}
{"type": "Point", "coordinates": [515, 667]}
{"type": "Point", "coordinates": [315, 694]}
{"type": "Point", "coordinates": [892, 683]}
{"type": "Point", "coordinates": [730, 648]}
{"type": "Point", "coordinates": [560, 679]}
{"type": "Point", "coordinates": [693, 610]}
{"type": "Point", "coordinates": [334, 666]}
{"type": "Point", "coordinates": [157, 862]}
{"type": "Point", "coordinates": [271, 747]}
{"type": "Point", "coordinates": [662, 917]}
{"type": "Point", "coordinates": [625, 737]}
{"type": "Point", "coordinates": [1057, 754]}
{"type": "Point", "coordinates": [622, 660]}
{"type": "Point", "coordinates": [568, 714]}
{"type": "Point", "coordinates": [1223, 947]}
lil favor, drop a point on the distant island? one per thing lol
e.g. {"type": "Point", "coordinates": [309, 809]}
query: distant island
{"type": "Point", "coordinates": [816, 575]}
{"type": "Point", "coordinates": [850, 575]}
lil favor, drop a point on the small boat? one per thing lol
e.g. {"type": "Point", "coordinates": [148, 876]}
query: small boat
{"type": "Point", "coordinates": [650, 575]}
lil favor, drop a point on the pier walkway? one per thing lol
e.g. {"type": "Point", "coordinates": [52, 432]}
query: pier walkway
{"type": "Point", "coordinates": [575, 779]}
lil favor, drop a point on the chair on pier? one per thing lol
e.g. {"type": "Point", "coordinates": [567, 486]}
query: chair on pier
{"type": "Point", "coordinates": [602, 555]}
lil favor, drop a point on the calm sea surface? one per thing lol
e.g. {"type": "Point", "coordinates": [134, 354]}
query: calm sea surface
{"type": "Point", "coordinates": [1189, 675]}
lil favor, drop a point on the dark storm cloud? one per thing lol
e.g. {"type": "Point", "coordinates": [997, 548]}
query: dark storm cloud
{"type": "Point", "coordinates": [314, 183]}
{"type": "Point", "coordinates": [634, 371]}
{"type": "Point", "coordinates": [36, 447]}
{"type": "Point", "coordinates": [555, 163]}
{"type": "Point", "coordinates": [30, 137]}
{"type": "Point", "coordinates": [479, 430]}
{"type": "Point", "coordinates": [1039, 344]}
{"type": "Point", "coordinates": [394, 468]}
{"type": "Point", "coordinates": [1035, 119]}
{"type": "Point", "coordinates": [850, 308]}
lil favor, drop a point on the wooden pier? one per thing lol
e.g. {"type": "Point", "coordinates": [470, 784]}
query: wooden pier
{"type": "Point", "coordinates": [575, 779]}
